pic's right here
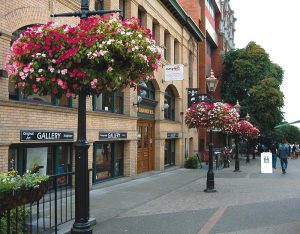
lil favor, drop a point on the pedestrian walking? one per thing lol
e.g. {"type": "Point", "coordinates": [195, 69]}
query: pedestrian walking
{"type": "Point", "coordinates": [283, 155]}
{"type": "Point", "coordinates": [273, 149]}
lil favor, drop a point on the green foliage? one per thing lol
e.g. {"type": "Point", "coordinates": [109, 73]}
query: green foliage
{"type": "Point", "coordinates": [287, 132]}
{"type": "Point", "coordinates": [16, 217]}
{"type": "Point", "coordinates": [250, 77]}
{"type": "Point", "coordinates": [11, 181]}
{"type": "Point", "coordinates": [192, 162]}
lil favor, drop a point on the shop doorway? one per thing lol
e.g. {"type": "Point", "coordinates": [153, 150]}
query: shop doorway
{"type": "Point", "coordinates": [145, 151]}
{"type": "Point", "coordinates": [169, 152]}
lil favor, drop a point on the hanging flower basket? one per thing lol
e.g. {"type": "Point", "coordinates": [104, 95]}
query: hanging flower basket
{"type": "Point", "coordinates": [212, 116]}
{"type": "Point", "coordinates": [98, 54]}
{"type": "Point", "coordinates": [245, 130]}
{"type": "Point", "coordinates": [18, 190]}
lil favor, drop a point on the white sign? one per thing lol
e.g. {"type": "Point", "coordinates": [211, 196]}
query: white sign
{"type": "Point", "coordinates": [266, 162]}
{"type": "Point", "coordinates": [174, 72]}
{"type": "Point", "coordinates": [37, 157]}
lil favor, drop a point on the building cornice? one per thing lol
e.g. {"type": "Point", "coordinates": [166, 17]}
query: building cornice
{"type": "Point", "coordinates": [184, 18]}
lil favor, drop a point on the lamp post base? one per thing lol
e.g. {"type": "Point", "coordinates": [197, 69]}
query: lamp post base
{"type": "Point", "coordinates": [237, 170]}
{"type": "Point", "coordinates": [207, 190]}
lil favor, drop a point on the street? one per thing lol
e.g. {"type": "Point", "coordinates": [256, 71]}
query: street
{"type": "Point", "coordinates": [174, 202]}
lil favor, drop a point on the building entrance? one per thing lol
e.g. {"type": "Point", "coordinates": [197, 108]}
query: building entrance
{"type": "Point", "coordinates": [145, 151]}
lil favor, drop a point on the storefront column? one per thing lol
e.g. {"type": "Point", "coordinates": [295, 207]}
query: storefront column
{"type": "Point", "coordinates": [179, 149]}
{"type": "Point", "coordinates": [4, 49]}
{"type": "Point", "coordinates": [4, 158]}
{"type": "Point", "coordinates": [159, 154]}
{"type": "Point", "coordinates": [130, 158]}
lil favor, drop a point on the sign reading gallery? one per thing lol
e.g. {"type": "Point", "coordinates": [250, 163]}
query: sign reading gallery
{"type": "Point", "coordinates": [46, 136]}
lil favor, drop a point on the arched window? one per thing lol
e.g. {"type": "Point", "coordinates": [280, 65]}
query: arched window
{"type": "Point", "coordinates": [147, 90]}
{"type": "Point", "coordinates": [170, 100]}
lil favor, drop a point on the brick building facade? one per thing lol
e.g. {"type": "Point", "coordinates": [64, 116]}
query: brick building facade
{"type": "Point", "coordinates": [129, 132]}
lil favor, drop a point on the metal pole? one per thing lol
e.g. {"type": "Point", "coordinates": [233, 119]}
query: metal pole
{"type": "Point", "coordinates": [247, 152]}
{"type": "Point", "coordinates": [82, 196]}
{"type": "Point", "coordinates": [210, 183]}
{"type": "Point", "coordinates": [237, 160]}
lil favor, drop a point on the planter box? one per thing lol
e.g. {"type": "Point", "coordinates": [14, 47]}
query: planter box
{"type": "Point", "coordinates": [12, 199]}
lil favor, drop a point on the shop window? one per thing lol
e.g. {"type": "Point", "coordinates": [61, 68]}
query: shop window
{"type": "Point", "coordinates": [109, 102]}
{"type": "Point", "coordinates": [169, 112]}
{"type": "Point", "coordinates": [46, 159]}
{"type": "Point", "coordinates": [108, 160]}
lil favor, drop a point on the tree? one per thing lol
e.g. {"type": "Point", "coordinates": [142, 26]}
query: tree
{"type": "Point", "coordinates": [249, 76]}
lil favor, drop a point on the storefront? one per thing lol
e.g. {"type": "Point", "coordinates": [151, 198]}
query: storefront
{"type": "Point", "coordinates": [170, 144]}
{"type": "Point", "coordinates": [108, 160]}
{"type": "Point", "coordinates": [50, 153]}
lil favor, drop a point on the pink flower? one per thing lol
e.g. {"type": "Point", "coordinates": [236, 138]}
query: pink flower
{"type": "Point", "coordinates": [109, 69]}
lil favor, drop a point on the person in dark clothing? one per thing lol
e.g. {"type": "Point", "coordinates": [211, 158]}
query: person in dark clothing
{"type": "Point", "coordinates": [283, 155]}
{"type": "Point", "coordinates": [274, 152]}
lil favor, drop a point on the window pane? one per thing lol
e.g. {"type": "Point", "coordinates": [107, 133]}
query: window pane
{"type": "Point", "coordinates": [104, 101]}
{"type": "Point", "coordinates": [119, 159]}
{"type": "Point", "coordinates": [139, 137]}
{"type": "Point", "coordinates": [103, 161]}
{"type": "Point", "coordinates": [146, 137]}
{"type": "Point", "coordinates": [119, 103]}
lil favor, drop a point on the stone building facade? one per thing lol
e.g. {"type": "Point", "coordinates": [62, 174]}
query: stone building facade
{"type": "Point", "coordinates": [129, 132]}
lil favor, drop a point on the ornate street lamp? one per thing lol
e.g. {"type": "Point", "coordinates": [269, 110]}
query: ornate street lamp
{"type": "Point", "coordinates": [82, 196]}
{"type": "Point", "coordinates": [236, 158]}
{"type": "Point", "coordinates": [211, 82]}
{"type": "Point", "coordinates": [247, 118]}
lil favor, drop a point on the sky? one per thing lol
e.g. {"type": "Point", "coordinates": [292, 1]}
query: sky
{"type": "Point", "coordinates": [274, 25]}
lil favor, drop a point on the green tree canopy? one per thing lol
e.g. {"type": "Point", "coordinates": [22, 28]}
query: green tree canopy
{"type": "Point", "coordinates": [249, 76]}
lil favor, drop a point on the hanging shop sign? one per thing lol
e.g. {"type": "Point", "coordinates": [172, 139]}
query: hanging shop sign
{"type": "Point", "coordinates": [194, 96]}
{"type": "Point", "coordinates": [35, 135]}
{"type": "Point", "coordinates": [112, 135]}
{"type": "Point", "coordinates": [173, 72]}
{"type": "Point", "coordinates": [145, 110]}
{"type": "Point", "coordinates": [172, 135]}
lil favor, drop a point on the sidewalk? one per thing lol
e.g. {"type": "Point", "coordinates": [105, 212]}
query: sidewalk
{"type": "Point", "coordinates": [174, 201]}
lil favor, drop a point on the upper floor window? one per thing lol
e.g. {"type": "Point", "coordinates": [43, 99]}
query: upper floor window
{"type": "Point", "coordinates": [208, 49]}
{"type": "Point", "coordinates": [142, 16]}
{"type": "Point", "coordinates": [176, 52]}
{"type": "Point", "coordinates": [109, 101]}
{"type": "Point", "coordinates": [169, 112]}
{"type": "Point", "coordinates": [147, 90]}
{"type": "Point", "coordinates": [122, 8]}
{"type": "Point", "coordinates": [99, 5]}
{"type": "Point", "coordinates": [191, 74]}
{"type": "Point", "coordinates": [167, 46]}
{"type": "Point", "coordinates": [210, 8]}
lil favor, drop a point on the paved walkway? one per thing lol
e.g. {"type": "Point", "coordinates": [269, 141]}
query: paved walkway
{"type": "Point", "coordinates": [174, 202]}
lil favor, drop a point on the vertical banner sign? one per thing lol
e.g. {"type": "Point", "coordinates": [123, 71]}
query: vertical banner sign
{"type": "Point", "coordinates": [173, 72]}
{"type": "Point", "coordinates": [37, 157]}
{"type": "Point", "coordinates": [266, 162]}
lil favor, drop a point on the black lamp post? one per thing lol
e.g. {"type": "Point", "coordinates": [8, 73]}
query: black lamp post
{"type": "Point", "coordinates": [247, 145]}
{"type": "Point", "coordinates": [82, 196]}
{"type": "Point", "coordinates": [211, 82]}
{"type": "Point", "coordinates": [236, 158]}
